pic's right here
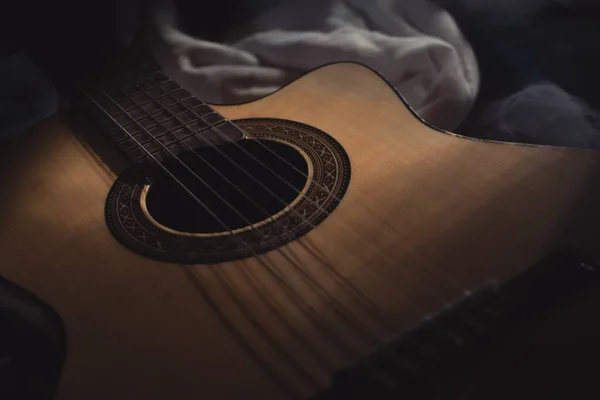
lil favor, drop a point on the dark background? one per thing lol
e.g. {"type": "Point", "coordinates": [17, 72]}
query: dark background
{"type": "Point", "coordinates": [67, 37]}
{"type": "Point", "coordinates": [515, 47]}
{"type": "Point", "coordinates": [533, 40]}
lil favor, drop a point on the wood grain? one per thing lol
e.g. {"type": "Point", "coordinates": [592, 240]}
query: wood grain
{"type": "Point", "coordinates": [427, 216]}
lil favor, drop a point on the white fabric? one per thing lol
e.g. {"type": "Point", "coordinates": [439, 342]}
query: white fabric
{"type": "Point", "coordinates": [414, 44]}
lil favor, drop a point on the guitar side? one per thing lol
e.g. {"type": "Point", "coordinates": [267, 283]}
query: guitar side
{"type": "Point", "coordinates": [427, 215]}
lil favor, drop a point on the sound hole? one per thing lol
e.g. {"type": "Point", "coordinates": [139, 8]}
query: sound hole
{"type": "Point", "coordinates": [230, 198]}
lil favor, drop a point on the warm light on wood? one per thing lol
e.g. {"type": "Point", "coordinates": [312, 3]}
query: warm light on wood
{"type": "Point", "coordinates": [427, 215]}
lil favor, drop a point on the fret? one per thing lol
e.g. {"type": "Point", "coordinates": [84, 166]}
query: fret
{"type": "Point", "coordinates": [168, 140]}
{"type": "Point", "coordinates": [161, 116]}
{"type": "Point", "coordinates": [184, 130]}
{"type": "Point", "coordinates": [124, 120]}
{"type": "Point", "coordinates": [187, 117]}
{"type": "Point", "coordinates": [152, 107]}
{"type": "Point", "coordinates": [198, 126]}
{"type": "Point", "coordinates": [128, 144]}
{"type": "Point", "coordinates": [141, 154]}
{"type": "Point", "coordinates": [153, 111]}
{"type": "Point", "coordinates": [156, 151]}
{"type": "Point", "coordinates": [202, 110]}
{"type": "Point", "coordinates": [142, 137]}
{"type": "Point", "coordinates": [118, 135]}
{"type": "Point", "coordinates": [127, 105]}
{"type": "Point", "coordinates": [147, 122]}
{"type": "Point", "coordinates": [193, 103]}
{"type": "Point", "coordinates": [112, 103]}
{"type": "Point", "coordinates": [137, 113]}
{"type": "Point", "coordinates": [140, 99]}
{"type": "Point", "coordinates": [213, 118]}
{"type": "Point", "coordinates": [230, 130]}
{"type": "Point", "coordinates": [177, 109]}
{"type": "Point", "coordinates": [153, 146]}
{"type": "Point", "coordinates": [183, 133]}
{"type": "Point", "coordinates": [138, 154]}
{"type": "Point", "coordinates": [172, 124]}
{"type": "Point", "coordinates": [158, 131]}
{"type": "Point", "coordinates": [180, 94]}
{"type": "Point", "coordinates": [166, 101]}
{"type": "Point", "coordinates": [194, 142]}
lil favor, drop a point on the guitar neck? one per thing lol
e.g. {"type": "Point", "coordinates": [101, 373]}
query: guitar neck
{"type": "Point", "coordinates": [147, 115]}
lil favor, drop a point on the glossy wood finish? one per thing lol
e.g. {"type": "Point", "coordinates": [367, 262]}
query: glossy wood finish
{"type": "Point", "coordinates": [427, 216]}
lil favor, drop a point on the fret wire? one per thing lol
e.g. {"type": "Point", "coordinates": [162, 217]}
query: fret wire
{"type": "Point", "coordinates": [185, 108]}
{"type": "Point", "coordinates": [177, 117]}
{"type": "Point", "coordinates": [166, 92]}
{"type": "Point", "coordinates": [191, 171]}
{"type": "Point", "coordinates": [161, 165]}
{"type": "Point", "coordinates": [189, 109]}
{"type": "Point", "coordinates": [157, 87]}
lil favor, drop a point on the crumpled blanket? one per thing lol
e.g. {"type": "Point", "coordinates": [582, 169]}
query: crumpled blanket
{"type": "Point", "coordinates": [414, 44]}
{"type": "Point", "coordinates": [538, 70]}
{"type": "Point", "coordinates": [541, 113]}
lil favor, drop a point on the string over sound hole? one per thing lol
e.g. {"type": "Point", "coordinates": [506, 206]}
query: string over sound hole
{"type": "Point", "coordinates": [163, 222]}
{"type": "Point", "coordinates": [238, 185]}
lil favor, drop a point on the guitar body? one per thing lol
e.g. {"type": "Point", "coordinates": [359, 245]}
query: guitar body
{"type": "Point", "coordinates": [426, 216]}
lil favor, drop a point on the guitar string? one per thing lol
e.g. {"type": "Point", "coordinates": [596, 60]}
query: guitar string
{"type": "Point", "coordinates": [248, 315]}
{"type": "Point", "coordinates": [226, 283]}
{"type": "Point", "coordinates": [298, 268]}
{"type": "Point", "coordinates": [200, 287]}
{"type": "Point", "coordinates": [275, 344]}
{"type": "Point", "coordinates": [393, 329]}
{"type": "Point", "coordinates": [338, 307]}
{"type": "Point", "coordinates": [278, 176]}
{"type": "Point", "coordinates": [156, 70]}
{"type": "Point", "coordinates": [212, 129]}
{"type": "Point", "coordinates": [223, 154]}
{"type": "Point", "coordinates": [265, 293]}
{"type": "Point", "coordinates": [372, 307]}
{"type": "Point", "coordinates": [251, 225]}
{"type": "Point", "coordinates": [347, 316]}
{"type": "Point", "coordinates": [452, 280]}
{"type": "Point", "coordinates": [245, 311]}
{"type": "Point", "coordinates": [216, 129]}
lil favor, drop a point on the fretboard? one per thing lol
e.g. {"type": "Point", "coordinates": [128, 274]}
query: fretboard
{"type": "Point", "coordinates": [150, 117]}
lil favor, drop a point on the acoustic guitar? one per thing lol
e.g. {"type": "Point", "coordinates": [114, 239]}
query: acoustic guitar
{"type": "Point", "coordinates": [321, 242]}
